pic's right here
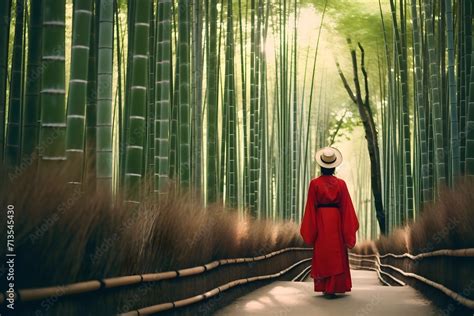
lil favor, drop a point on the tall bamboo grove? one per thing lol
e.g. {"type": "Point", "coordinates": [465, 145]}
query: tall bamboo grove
{"type": "Point", "coordinates": [143, 96]}
{"type": "Point", "coordinates": [427, 116]}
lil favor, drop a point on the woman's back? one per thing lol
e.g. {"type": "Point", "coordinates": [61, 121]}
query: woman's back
{"type": "Point", "coordinates": [329, 225]}
{"type": "Point", "coordinates": [327, 189]}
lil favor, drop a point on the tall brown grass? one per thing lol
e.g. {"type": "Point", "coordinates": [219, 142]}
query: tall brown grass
{"type": "Point", "coordinates": [64, 235]}
{"type": "Point", "coordinates": [447, 223]}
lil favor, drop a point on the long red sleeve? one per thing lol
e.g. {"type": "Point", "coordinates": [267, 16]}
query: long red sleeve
{"type": "Point", "coordinates": [308, 228]}
{"type": "Point", "coordinates": [350, 224]}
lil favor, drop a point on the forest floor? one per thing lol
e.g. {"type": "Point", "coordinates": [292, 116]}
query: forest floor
{"type": "Point", "coordinates": [368, 297]}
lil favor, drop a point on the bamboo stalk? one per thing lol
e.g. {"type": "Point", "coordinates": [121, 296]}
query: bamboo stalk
{"type": "Point", "coordinates": [53, 118]}
{"type": "Point", "coordinates": [77, 98]}
{"type": "Point", "coordinates": [163, 95]}
{"type": "Point", "coordinates": [184, 111]}
{"type": "Point", "coordinates": [31, 114]}
{"type": "Point", "coordinates": [212, 107]}
{"type": "Point", "coordinates": [455, 153]}
{"type": "Point", "coordinates": [5, 11]}
{"type": "Point", "coordinates": [16, 100]}
{"type": "Point", "coordinates": [400, 43]}
{"type": "Point", "coordinates": [104, 107]}
{"type": "Point", "coordinates": [151, 111]}
{"type": "Point", "coordinates": [197, 92]}
{"type": "Point", "coordinates": [437, 121]}
{"type": "Point", "coordinates": [230, 105]}
{"type": "Point", "coordinates": [294, 143]}
{"type": "Point", "coordinates": [466, 78]}
{"type": "Point", "coordinates": [469, 168]}
{"type": "Point", "coordinates": [253, 138]}
{"type": "Point", "coordinates": [243, 75]}
{"type": "Point", "coordinates": [119, 108]}
{"type": "Point", "coordinates": [307, 134]}
{"type": "Point", "coordinates": [91, 105]}
{"type": "Point", "coordinates": [420, 103]}
{"type": "Point", "coordinates": [135, 144]}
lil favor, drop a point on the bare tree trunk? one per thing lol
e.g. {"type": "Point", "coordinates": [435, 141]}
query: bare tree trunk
{"type": "Point", "coordinates": [367, 118]}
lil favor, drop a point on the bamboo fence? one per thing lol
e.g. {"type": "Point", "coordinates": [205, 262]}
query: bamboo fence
{"type": "Point", "coordinates": [377, 265]}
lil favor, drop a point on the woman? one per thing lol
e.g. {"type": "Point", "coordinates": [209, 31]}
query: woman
{"type": "Point", "coordinates": [330, 225]}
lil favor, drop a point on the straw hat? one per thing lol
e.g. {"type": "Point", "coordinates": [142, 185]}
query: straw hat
{"type": "Point", "coordinates": [329, 157]}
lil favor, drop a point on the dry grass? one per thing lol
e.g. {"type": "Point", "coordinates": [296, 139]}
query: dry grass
{"type": "Point", "coordinates": [449, 223]}
{"type": "Point", "coordinates": [64, 235]}
{"type": "Point", "coordinates": [446, 224]}
{"type": "Point", "coordinates": [396, 243]}
{"type": "Point", "coordinates": [366, 247]}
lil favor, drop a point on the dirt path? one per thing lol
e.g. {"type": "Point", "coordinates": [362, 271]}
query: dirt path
{"type": "Point", "coordinates": [368, 297]}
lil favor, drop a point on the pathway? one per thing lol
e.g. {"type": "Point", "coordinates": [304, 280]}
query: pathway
{"type": "Point", "coordinates": [368, 297]}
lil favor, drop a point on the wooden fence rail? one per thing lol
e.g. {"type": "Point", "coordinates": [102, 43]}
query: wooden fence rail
{"type": "Point", "coordinates": [357, 259]}
{"type": "Point", "coordinates": [34, 294]}
{"type": "Point", "coordinates": [204, 296]}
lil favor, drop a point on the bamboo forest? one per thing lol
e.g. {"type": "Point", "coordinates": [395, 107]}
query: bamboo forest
{"type": "Point", "coordinates": [144, 143]}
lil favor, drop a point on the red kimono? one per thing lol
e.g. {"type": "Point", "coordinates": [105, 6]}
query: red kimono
{"type": "Point", "coordinates": [330, 225]}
